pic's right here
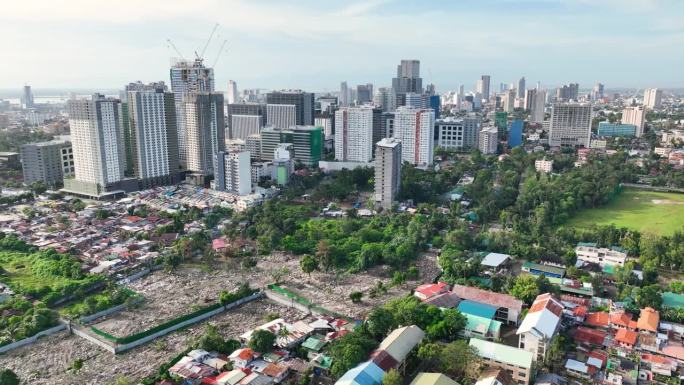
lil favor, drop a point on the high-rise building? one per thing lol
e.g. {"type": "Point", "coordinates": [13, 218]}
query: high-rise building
{"type": "Point", "coordinates": [415, 100]}
{"type": "Point", "coordinates": [27, 98]}
{"type": "Point", "coordinates": [616, 129]}
{"type": "Point", "coordinates": [501, 123]}
{"type": "Point", "coordinates": [509, 100]}
{"type": "Point", "coordinates": [188, 78]}
{"type": "Point", "coordinates": [387, 171]}
{"type": "Point", "coordinates": [515, 133]}
{"type": "Point", "coordinates": [384, 98]}
{"type": "Point", "coordinates": [48, 162]}
{"type": "Point", "coordinates": [458, 134]}
{"type": "Point", "coordinates": [636, 116]}
{"type": "Point", "coordinates": [415, 128]}
{"type": "Point", "coordinates": [344, 94]}
{"type": "Point", "coordinates": [387, 125]}
{"type": "Point", "coordinates": [354, 133]}
{"type": "Point", "coordinates": [232, 93]}
{"type": "Point", "coordinates": [281, 115]}
{"type": "Point", "coordinates": [364, 93]}
{"type": "Point", "coordinates": [570, 125]}
{"type": "Point", "coordinates": [568, 92]}
{"type": "Point", "coordinates": [408, 80]}
{"type": "Point", "coordinates": [435, 102]}
{"type": "Point", "coordinates": [598, 91]}
{"type": "Point", "coordinates": [245, 119]}
{"type": "Point", "coordinates": [307, 142]}
{"type": "Point", "coordinates": [253, 145]}
{"type": "Point", "coordinates": [652, 98]}
{"type": "Point", "coordinates": [521, 87]}
{"type": "Point", "coordinates": [153, 135]}
{"type": "Point", "coordinates": [535, 102]}
{"type": "Point", "coordinates": [326, 121]}
{"type": "Point", "coordinates": [205, 132]}
{"type": "Point", "coordinates": [488, 140]}
{"type": "Point", "coordinates": [483, 86]}
{"type": "Point", "coordinates": [303, 102]}
{"type": "Point", "coordinates": [98, 145]}
{"type": "Point", "coordinates": [234, 173]}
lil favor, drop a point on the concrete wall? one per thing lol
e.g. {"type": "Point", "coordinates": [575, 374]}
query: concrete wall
{"type": "Point", "coordinates": [93, 339]}
{"type": "Point", "coordinates": [115, 309]}
{"type": "Point", "coordinates": [285, 301]}
{"type": "Point", "coordinates": [32, 339]}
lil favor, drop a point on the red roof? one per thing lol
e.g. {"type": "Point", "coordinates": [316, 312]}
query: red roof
{"type": "Point", "coordinates": [590, 336]}
{"type": "Point", "coordinates": [383, 360]}
{"type": "Point", "coordinates": [488, 297]}
{"type": "Point", "coordinates": [218, 243]}
{"type": "Point", "coordinates": [580, 311]}
{"type": "Point", "coordinates": [431, 289]}
{"type": "Point", "coordinates": [649, 319]}
{"type": "Point", "coordinates": [597, 319]}
{"type": "Point", "coordinates": [546, 301]}
{"type": "Point", "coordinates": [600, 355]}
{"type": "Point", "coordinates": [244, 354]}
{"type": "Point", "coordinates": [625, 336]}
{"type": "Point", "coordinates": [621, 318]}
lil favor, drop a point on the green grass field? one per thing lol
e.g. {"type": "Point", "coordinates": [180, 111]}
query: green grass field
{"type": "Point", "coordinates": [645, 211]}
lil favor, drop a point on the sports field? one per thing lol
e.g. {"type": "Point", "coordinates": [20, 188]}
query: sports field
{"type": "Point", "coordinates": [645, 211]}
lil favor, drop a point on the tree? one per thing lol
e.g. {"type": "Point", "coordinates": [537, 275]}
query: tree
{"type": "Point", "coordinates": [449, 327]}
{"type": "Point", "coordinates": [323, 254]}
{"type": "Point", "coordinates": [458, 359]}
{"type": "Point", "coordinates": [7, 377]}
{"type": "Point", "coordinates": [262, 341]}
{"type": "Point", "coordinates": [38, 187]}
{"type": "Point", "coordinates": [212, 341]}
{"type": "Point", "coordinates": [308, 264]}
{"type": "Point", "coordinates": [649, 296]}
{"type": "Point", "coordinates": [380, 322]}
{"type": "Point", "coordinates": [525, 288]}
{"type": "Point", "coordinates": [348, 350]}
{"type": "Point", "coordinates": [392, 378]}
{"type": "Point", "coordinates": [356, 296]}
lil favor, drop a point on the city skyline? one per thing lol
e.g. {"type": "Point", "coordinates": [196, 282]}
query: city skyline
{"type": "Point", "coordinates": [312, 46]}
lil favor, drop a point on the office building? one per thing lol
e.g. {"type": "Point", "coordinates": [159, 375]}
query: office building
{"type": "Point", "coordinates": [408, 80]}
{"type": "Point", "coordinates": [326, 104]}
{"type": "Point", "coordinates": [616, 129]}
{"type": "Point", "coordinates": [98, 146]}
{"type": "Point", "coordinates": [458, 134]}
{"type": "Point", "coordinates": [415, 100]}
{"type": "Point", "coordinates": [388, 158]}
{"type": "Point", "coordinates": [354, 133]}
{"type": "Point", "coordinates": [636, 116]}
{"type": "Point", "coordinates": [482, 86]}
{"type": "Point", "coordinates": [48, 162]}
{"type": "Point", "coordinates": [535, 102]}
{"type": "Point", "coordinates": [344, 95]}
{"type": "Point", "coordinates": [517, 362]}
{"type": "Point", "coordinates": [598, 92]}
{"type": "Point", "coordinates": [515, 132]}
{"type": "Point", "coordinates": [326, 121]}
{"type": "Point", "coordinates": [188, 78]}
{"type": "Point", "coordinates": [570, 125]}
{"type": "Point", "coordinates": [253, 146]}
{"type": "Point", "coordinates": [245, 119]}
{"type": "Point", "coordinates": [384, 98]}
{"type": "Point", "coordinates": [568, 92]}
{"type": "Point", "coordinates": [435, 102]}
{"type": "Point", "coordinates": [205, 130]}
{"type": "Point", "coordinates": [27, 98]}
{"type": "Point", "coordinates": [415, 128]}
{"type": "Point", "coordinates": [501, 122]}
{"type": "Point", "coordinates": [521, 88]}
{"type": "Point", "coordinates": [386, 125]}
{"type": "Point", "coordinates": [153, 136]}
{"type": "Point", "coordinates": [281, 115]}
{"type": "Point", "coordinates": [234, 173]}
{"type": "Point", "coordinates": [653, 98]}
{"type": "Point", "coordinates": [303, 102]}
{"type": "Point", "coordinates": [364, 93]}
{"type": "Point", "coordinates": [488, 140]}
{"type": "Point", "coordinates": [232, 93]}
{"type": "Point", "coordinates": [508, 100]}
{"type": "Point", "coordinates": [307, 143]}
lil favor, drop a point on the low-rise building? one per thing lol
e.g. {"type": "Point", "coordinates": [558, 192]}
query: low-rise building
{"type": "Point", "coordinates": [508, 308]}
{"type": "Point", "coordinates": [540, 326]}
{"type": "Point", "coordinates": [432, 379]}
{"type": "Point", "coordinates": [602, 256]}
{"type": "Point", "coordinates": [517, 362]}
{"type": "Point", "coordinates": [543, 165]}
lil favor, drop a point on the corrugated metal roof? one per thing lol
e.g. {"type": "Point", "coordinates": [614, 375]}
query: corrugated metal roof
{"type": "Point", "coordinates": [432, 379]}
{"type": "Point", "coordinates": [503, 353]}
{"type": "Point", "coordinates": [477, 309]}
{"type": "Point", "coordinates": [366, 373]}
{"type": "Point", "coordinates": [401, 341]}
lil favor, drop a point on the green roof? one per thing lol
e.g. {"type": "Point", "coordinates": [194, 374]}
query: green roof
{"type": "Point", "coordinates": [574, 290]}
{"type": "Point", "coordinates": [673, 300]}
{"type": "Point", "coordinates": [485, 326]}
{"type": "Point", "coordinates": [503, 353]}
{"type": "Point", "coordinates": [477, 309]}
{"type": "Point", "coordinates": [587, 244]}
{"type": "Point", "coordinates": [544, 268]}
{"type": "Point", "coordinates": [314, 343]}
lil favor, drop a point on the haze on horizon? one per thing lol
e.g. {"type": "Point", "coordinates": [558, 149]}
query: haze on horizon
{"type": "Point", "coordinates": [314, 45]}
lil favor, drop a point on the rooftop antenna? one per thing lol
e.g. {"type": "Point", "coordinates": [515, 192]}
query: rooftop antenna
{"type": "Point", "coordinates": [213, 31]}
{"type": "Point", "coordinates": [218, 55]}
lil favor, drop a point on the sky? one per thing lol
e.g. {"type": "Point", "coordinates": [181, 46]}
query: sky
{"type": "Point", "coordinates": [315, 44]}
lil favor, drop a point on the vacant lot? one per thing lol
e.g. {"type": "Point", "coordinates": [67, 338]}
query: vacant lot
{"type": "Point", "coordinates": [645, 211]}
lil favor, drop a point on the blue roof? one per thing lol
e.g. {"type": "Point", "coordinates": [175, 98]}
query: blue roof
{"type": "Point", "coordinates": [477, 309]}
{"type": "Point", "coordinates": [366, 373]}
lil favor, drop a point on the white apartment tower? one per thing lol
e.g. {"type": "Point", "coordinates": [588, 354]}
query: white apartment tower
{"type": "Point", "coordinates": [488, 140]}
{"type": "Point", "coordinates": [154, 135]}
{"type": "Point", "coordinates": [652, 98]}
{"type": "Point", "coordinates": [387, 171]}
{"type": "Point", "coordinates": [232, 93]}
{"type": "Point", "coordinates": [535, 102]}
{"type": "Point", "coordinates": [188, 78]}
{"type": "Point", "coordinates": [384, 98]}
{"type": "Point", "coordinates": [204, 131]}
{"type": "Point", "coordinates": [636, 116]}
{"type": "Point", "coordinates": [570, 125]}
{"type": "Point", "coordinates": [509, 100]}
{"type": "Point", "coordinates": [97, 141]}
{"type": "Point", "coordinates": [483, 86]}
{"type": "Point", "coordinates": [415, 128]}
{"type": "Point", "coordinates": [354, 134]}
{"type": "Point", "coordinates": [234, 172]}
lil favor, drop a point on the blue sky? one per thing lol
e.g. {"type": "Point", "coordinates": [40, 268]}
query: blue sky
{"type": "Point", "coordinates": [314, 44]}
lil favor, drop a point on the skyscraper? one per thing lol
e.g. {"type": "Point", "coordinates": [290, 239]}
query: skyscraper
{"type": "Point", "coordinates": [567, 92]}
{"type": "Point", "coordinates": [245, 119]}
{"type": "Point", "coordinates": [570, 125]}
{"type": "Point", "coordinates": [636, 116]}
{"type": "Point", "coordinates": [387, 171]}
{"type": "Point", "coordinates": [521, 87]}
{"type": "Point", "coordinates": [509, 100]}
{"type": "Point", "coordinates": [205, 133]}
{"type": "Point", "coordinates": [48, 162]}
{"type": "Point", "coordinates": [384, 98]}
{"type": "Point", "coordinates": [232, 93]}
{"type": "Point", "coordinates": [303, 102]}
{"type": "Point", "coordinates": [364, 93]}
{"type": "Point", "coordinates": [27, 98]}
{"type": "Point", "coordinates": [281, 115]}
{"type": "Point", "coordinates": [154, 136]}
{"type": "Point", "coordinates": [483, 86]}
{"type": "Point", "coordinates": [415, 128]}
{"type": "Point", "coordinates": [97, 141]}
{"type": "Point", "coordinates": [652, 98]}
{"type": "Point", "coordinates": [408, 80]}
{"type": "Point", "coordinates": [307, 142]}
{"type": "Point", "coordinates": [234, 172]}
{"type": "Point", "coordinates": [354, 133]}
{"type": "Point", "coordinates": [188, 78]}
{"type": "Point", "coordinates": [535, 101]}
{"type": "Point", "coordinates": [598, 91]}
{"type": "Point", "coordinates": [344, 94]}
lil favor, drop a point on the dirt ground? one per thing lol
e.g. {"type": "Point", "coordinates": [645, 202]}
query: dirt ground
{"type": "Point", "coordinates": [47, 361]}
